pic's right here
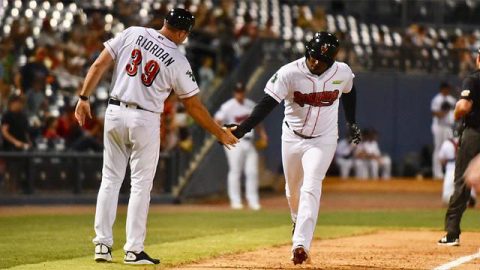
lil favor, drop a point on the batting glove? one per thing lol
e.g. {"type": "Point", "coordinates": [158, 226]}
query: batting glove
{"type": "Point", "coordinates": [238, 132]}
{"type": "Point", "coordinates": [354, 132]}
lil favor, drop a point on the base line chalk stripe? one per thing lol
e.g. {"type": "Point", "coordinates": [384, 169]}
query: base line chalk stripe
{"type": "Point", "coordinates": [458, 261]}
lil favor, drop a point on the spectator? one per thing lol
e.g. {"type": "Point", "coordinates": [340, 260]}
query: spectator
{"type": "Point", "coordinates": [34, 74]}
{"type": "Point", "coordinates": [248, 33]}
{"type": "Point", "coordinates": [442, 106]}
{"type": "Point", "coordinates": [206, 74]}
{"type": "Point", "coordinates": [49, 36]}
{"type": "Point", "coordinates": [267, 31]}
{"type": "Point", "coordinates": [369, 159]}
{"type": "Point", "coordinates": [15, 126]}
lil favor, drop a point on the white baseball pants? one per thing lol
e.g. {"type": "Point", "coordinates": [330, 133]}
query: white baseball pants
{"type": "Point", "coordinates": [243, 158]}
{"type": "Point", "coordinates": [370, 168]}
{"type": "Point", "coordinates": [129, 135]}
{"type": "Point", "coordinates": [345, 165]}
{"type": "Point", "coordinates": [440, 134]}
{"type": "Point", "coordinates": [305, 163]}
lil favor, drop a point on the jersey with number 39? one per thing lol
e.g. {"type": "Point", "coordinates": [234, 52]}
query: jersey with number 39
{"type": "Point", "coordinates": [311, 101]}
{"type": "Point", "coordinates": [148, 66]}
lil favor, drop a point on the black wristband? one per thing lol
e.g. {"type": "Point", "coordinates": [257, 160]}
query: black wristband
{"type": "Point", "coordinates": [82, 97]}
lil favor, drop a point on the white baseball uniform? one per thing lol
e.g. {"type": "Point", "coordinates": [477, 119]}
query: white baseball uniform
{"type": "Point", "coordinates": [369, 168]}
{"type": "Point", "coordinates": [242, 157]}
{"type": "Point", "coordinates": [311, 109]}
{"type": "Point", "coordinates": [344, 157]}
{"type": "Point", "coordinates": [441, 129]}
{"type": "Point", "coordinates": [148, 67]}
{"type": "Point", "coordinates": [448, 152]}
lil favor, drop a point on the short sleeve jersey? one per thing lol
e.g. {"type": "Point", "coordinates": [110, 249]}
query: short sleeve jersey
{"type": "Point", "coordinates": [471, 91]}
{"type": "Point", "coordinates": [148, 66]}
{"type": "Point", "coordinates": [234, 112]}
{"type": "Point", "coordinates": [311, 101]}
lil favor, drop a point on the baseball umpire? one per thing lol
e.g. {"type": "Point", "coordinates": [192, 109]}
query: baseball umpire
{"type": "Point", "coordinates": [467, 109]}
{"type": "Point", "coordinates": [148, 65]}
{"type": "Point", "coordinates": [311, 88]}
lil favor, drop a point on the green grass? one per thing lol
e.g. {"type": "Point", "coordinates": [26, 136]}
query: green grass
{"type": "Point", "coordinates": [64, 241]}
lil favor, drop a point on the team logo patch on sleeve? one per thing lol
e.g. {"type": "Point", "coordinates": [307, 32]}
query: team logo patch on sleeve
{"type": "Point", "coordinates": [274, 78]}
{"type": "Point", "coordinates": [337, 82]}
{"type": "Point", "coordinates": [190, 74]}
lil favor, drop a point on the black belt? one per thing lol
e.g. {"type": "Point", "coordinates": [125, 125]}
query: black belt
{"type": "Point", "coordinates": [118, 102]}
{"type": "Point", "coordinates": [299, 134]}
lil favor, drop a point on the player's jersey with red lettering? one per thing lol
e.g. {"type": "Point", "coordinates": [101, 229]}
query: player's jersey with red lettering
{"type": "Point", "coordinates": [147, 67]}
{"type": "Point", "coordinates": [311, 101]}
{"type": "Point", "coordinates": [234, 112]}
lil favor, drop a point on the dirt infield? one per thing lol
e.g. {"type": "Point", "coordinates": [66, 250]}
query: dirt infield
{"type": "Point", "coordinates": [381, 250]}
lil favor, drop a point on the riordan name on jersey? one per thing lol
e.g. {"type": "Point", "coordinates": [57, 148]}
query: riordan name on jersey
{"type": "Point", "coordinates": [155, 49]}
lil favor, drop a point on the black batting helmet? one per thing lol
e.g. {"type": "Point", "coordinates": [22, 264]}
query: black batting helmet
{"type": "Point", "coordinates": [181, 19]}
{"type": "Point", "coordinates": [323, 46]}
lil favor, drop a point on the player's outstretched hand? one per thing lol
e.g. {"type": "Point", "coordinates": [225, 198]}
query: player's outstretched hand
{"type": "Point", "coordinates": [354, 132]}
{"type": "Point", "coordinates": [236, 130]}
{"type": "Point", "coordinates": [227, 138]}
{"type": "Point", "coordinates": [82, 111]}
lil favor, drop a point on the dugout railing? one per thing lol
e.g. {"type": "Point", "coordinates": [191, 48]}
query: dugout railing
{"type": "Point", "coordinates": [69, 177]}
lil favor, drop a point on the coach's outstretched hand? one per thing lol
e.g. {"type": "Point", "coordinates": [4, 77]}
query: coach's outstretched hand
{"type": "Point", "coordinates": [354, 132]}
{"type": "Point", "coordinates": [236, 130]}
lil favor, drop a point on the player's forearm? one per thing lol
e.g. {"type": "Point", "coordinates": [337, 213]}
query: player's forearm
{"type": "Point", "coordinates": [349, 102]}
{"type": "Point", "coordinates": [263, 108]}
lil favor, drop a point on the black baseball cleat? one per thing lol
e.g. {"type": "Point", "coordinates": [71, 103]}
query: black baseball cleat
{"type": "Point", "coordinates": [300, 255]}
{"type": "Point", "coordinates": [449, 240]}
{"type": "Point", "coordinates": [139, 258]}
{"type": "Point", "coordinates": [103, 253]}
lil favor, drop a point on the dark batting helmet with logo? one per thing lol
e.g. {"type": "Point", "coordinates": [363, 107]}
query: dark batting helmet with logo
{"type": "Point", "coordinates": [323, 47]}
{"type": "Point", "coordinates": [181, 19]}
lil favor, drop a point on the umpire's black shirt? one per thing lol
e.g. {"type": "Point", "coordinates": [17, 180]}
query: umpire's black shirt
{"type": "Point", "coordinates": [471, 91]}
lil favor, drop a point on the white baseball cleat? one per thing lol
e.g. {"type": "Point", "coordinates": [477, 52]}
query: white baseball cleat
{"type": "Point", "coordinates": [236, 206]}
{"type": "Point", "coordinates": [103, 253]}
{"type": "Point", "coordinates": [255, 207]}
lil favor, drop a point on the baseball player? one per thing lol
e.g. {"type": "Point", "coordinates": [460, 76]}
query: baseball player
{"type": "Point", "coordinates": [147, 66]}
{"type": "Point", "coordinates": [344, 157]}
{"type": "Point", "coordinates": [447, 154]}
{"type": "Point", "coordinates": [369, 159]}
{"type": "Point", "coordinates": [244, 156]}
{"type": "Point", "coordinates": [310, 88]}
{"type": "Point", "coordinates": [442, 106]}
